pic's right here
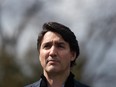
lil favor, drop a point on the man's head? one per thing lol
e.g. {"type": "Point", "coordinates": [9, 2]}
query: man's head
{"type": "Point", "coordinates": [66, 34]}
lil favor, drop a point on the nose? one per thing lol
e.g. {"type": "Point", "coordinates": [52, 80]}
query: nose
{"type": "Point", "coordinates": [53, 51]}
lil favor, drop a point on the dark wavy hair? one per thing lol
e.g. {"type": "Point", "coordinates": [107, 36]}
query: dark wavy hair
{"type": "Point", "coordinates": [66, 34]}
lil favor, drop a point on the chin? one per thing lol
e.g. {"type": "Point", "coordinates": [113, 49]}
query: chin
{"type": "Point", "coordinates": [52, 69]}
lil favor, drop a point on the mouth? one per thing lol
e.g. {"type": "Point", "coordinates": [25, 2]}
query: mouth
{"type": "Point", "coordinates": [52, 61]}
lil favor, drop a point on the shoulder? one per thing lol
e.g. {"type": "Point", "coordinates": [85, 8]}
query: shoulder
{"type": "Point", "coordinates": [36, 84]}
{"type": "Point", "coordinates": [79, 84]}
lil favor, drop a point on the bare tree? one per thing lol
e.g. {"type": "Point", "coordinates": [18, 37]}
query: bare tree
{"type": "Point", "coordinates": [10, 73]}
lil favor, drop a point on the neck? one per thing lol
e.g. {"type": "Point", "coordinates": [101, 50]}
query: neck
{"type": "Point", "coordinates": [56, 80]}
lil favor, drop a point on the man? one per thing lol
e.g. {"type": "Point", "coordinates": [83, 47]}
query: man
{"type": "Point", "coordinates": [58, 50]}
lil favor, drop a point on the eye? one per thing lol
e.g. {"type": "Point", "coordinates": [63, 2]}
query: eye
{"type": "Point", "coordinates": [46, 46]}
{"type": "Point", "coordinates": [60, 46]}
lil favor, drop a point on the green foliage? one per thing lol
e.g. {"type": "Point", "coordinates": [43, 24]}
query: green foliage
{"type": "Point", "coordinates": [10, 73]}
{"type": "Point", "coordinates": [78, 68]}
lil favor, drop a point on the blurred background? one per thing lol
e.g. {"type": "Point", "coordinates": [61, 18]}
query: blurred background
{"type": "Point", "coordinates": [92, 21]}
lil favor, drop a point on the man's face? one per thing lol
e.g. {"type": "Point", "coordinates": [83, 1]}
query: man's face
{"type": "Point", "coordinates": [55, 54]}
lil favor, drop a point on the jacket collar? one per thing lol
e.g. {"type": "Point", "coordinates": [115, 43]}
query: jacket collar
{"type": "Point", "coordinates": [69, 82]}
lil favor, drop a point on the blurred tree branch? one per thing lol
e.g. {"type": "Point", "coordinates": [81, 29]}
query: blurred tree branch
{"type": "Point", "coordinates": [10, 73]}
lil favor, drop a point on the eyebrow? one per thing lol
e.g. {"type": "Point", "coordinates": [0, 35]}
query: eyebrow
{"type": "Point", "coordinates": [56, 42]}
{"type": "Point", "coordinates": [61, 43]}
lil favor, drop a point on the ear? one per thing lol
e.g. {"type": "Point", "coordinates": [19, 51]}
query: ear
{"type": "Point", "coordinates": [73, 55]}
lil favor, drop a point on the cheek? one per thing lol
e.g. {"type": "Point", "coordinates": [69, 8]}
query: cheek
{"type": "Point", "coordinates": [43, 57]}
{"type": "Point", "coordinates": [42, 61]}
{"type": "Point", "coordinates": [66, 56]}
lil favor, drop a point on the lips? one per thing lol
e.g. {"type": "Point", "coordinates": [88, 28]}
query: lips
{"type": "Point", "coordinates": [53, 60]}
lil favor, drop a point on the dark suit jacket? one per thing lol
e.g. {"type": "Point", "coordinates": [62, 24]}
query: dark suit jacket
{"type": "Point", "coordinates": [70, 82]}
{"type": "Point", "coordinates": [76, 84]}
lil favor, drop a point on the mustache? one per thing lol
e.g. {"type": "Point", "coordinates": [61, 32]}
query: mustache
{"type": "Point", "coordinates": [56, 59]}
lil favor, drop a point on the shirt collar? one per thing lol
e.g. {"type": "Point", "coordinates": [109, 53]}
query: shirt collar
{"type": "Point", "coordinates": [69, 82]}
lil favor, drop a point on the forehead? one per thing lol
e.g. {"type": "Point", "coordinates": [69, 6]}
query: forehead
{"type": "Point", "coordinates": [52, 36]}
